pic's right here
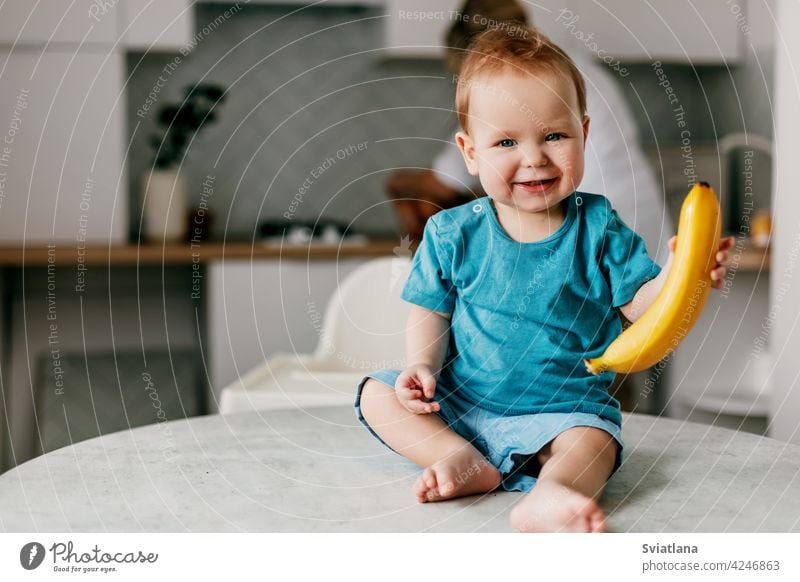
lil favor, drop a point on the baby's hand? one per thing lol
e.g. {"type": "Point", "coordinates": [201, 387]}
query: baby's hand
{"type": "Point", "coordinates": [415, 388]}
{"type": "Point", "coordinates": [718, 273]}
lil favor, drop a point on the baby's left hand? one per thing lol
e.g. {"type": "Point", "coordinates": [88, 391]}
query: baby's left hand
{"type": "Point", "coordinates": [718, 273]}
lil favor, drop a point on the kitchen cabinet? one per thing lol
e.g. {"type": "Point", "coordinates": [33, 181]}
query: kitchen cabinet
{"type": "Point", "coordinates": [721, 366]}
{"type": "Point", "coordinates": [62, 148]}
{"type": "Point", "coordinates": [85, 22]}
{"type": "Point", "coordinates": [165, 25]}
{"type": "Point", "coordinates": [49, 322]}
{"type": "Point", "coordinates": [324, 4]}
{"type": "Point", "coordinates": [62, 142]}
{"type": "Point", "coordinates": [678, 31]}
{"type": "Point", "coordinates": [257, 308]}
{"type": "Point", "coordinates": [135, 24]}
{"type": "Point", "coordinates": [417, 28]}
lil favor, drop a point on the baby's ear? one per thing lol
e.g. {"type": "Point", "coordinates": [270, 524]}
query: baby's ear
{"type": "Point", "coordinates": [467, 148]}
{"type": "Point", "coordinates": [586, 120]}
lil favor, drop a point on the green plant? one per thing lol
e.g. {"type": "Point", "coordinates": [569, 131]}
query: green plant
{"type": "Point", "coordinates": [179, 122]}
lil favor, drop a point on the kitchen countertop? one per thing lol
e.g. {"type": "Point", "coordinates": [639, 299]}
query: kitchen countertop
{"type": "Point", "coordinates": [67, 255]}
{"type": "Point", "coordinates": [748, 259]}
{"type": "Point", "coordinates": [319, 471]}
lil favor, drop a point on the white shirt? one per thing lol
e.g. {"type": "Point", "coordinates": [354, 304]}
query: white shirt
{"type": "Point", "coordinates": [615, 164]}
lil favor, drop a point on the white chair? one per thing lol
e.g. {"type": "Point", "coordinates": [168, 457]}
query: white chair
{"type": "Point", "coordinates": [363, 330]}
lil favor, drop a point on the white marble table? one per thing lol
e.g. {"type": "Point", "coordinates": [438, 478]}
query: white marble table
{"type": "Point", "coordinates": [319, 471]}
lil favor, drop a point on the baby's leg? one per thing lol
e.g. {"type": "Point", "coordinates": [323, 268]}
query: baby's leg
{"type": "Point", "coordinates": [575, 467]}
{"type": "Point", "coordinates": [453, 467]}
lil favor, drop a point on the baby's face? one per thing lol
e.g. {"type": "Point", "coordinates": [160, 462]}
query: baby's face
{"type": "Point", "coordinates": [526, 138]}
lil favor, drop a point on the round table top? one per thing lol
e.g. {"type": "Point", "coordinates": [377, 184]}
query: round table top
{"type": "Point", "coordinates": [318, 470]}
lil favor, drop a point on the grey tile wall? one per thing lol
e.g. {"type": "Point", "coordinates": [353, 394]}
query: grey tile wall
{"type": "Point", "coordinates": [717, 100]}
{"type": "Point", "coordinates": [293, 103]}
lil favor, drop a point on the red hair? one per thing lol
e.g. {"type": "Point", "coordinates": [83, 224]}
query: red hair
{"type": "Point", "coordinates": [516, 49]}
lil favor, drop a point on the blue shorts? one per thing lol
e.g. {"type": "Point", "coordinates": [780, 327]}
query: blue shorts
{"type": "Point", "coordinates": [510, 443]}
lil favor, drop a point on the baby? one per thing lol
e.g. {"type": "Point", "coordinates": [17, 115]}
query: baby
{"type": "Point", "coordinates": [510, 293]}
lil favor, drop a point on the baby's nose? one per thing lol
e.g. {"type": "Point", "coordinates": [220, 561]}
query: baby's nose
{"type": "Point", "coordinates": [534, 156]}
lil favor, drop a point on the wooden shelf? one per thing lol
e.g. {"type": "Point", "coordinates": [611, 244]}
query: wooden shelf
{"type": "Point", "coordinates": [68, 255]}
{"type": "Point", "coordinates": [750, 259]}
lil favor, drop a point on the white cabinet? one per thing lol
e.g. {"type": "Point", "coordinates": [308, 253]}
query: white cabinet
{"type": "Point", "coordinates": [257, 308]}
{"type": "Point", "coordinates": [135, 24]}
{"type": "Point", "coordinates": [71, 21]}
{"type": "Point", "coordinates": [62, 140]}
{"type": "Point", "coordinates": [165, 25]}
{"type": "Point", "coordinates": [716, 360]}
{"type": "Point", "coordinates": [417, 28]}
{"type": "Point", "coordinates": [707, 32]}
{"type": "Point", "coordinates": [306, 3]}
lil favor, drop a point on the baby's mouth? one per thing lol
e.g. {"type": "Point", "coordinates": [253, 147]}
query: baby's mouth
{"type": "Point", "coordinates": [536, 185]}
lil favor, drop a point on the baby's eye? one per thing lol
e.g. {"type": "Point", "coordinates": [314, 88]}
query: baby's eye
{"type": "Point", "coordinates": [506, 143]}
{"type": "Point", "coordinates": [553, 136]}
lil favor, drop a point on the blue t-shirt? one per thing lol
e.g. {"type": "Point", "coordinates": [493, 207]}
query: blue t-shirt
{"type": "Point", "coordinates": [525, 315]}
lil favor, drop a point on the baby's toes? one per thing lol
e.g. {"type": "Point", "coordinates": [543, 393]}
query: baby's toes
{"type": "Point", "coordinates": [445, 484]}
{"type": "Point", "coordinates": [425, 483]}
{"type": "Point", "coordinates": [447, 488]}
{"type": "Point", "coordinates": [589, 516]}
{"type": "Point", "coordinates": [429, 476]}
{"type": "Point", "coordinates": [597, 522]}
{"type": "Point", "coordinates": [420, 489]}
{"type": "Point", "coordinates": [443, 491]}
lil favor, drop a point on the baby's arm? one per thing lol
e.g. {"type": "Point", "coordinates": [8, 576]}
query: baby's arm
{"type": "Point", "coordinates": [427, 336]}
{"type": "Point", "coordinates": [648, 292]}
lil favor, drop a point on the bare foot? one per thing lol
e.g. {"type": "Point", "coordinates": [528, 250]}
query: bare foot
{"type": "Point", "coordinates": [460, 474]}
{"type": "Point", "coordinates": [552, 507]}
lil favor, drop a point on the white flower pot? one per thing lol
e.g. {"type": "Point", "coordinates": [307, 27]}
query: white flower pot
{"type": "Point", "coordinates": [165, 203]}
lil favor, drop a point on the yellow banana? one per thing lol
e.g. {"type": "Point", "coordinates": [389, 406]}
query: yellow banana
{"type": "Point", "coordinates": [678, 305]}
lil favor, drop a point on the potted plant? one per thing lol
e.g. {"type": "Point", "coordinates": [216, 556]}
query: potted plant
{"type": "Point", "coordinates": [165, 197]}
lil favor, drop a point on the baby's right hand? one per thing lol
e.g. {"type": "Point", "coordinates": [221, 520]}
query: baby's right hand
{"type": "Point", "coordinates": [415, 387]}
